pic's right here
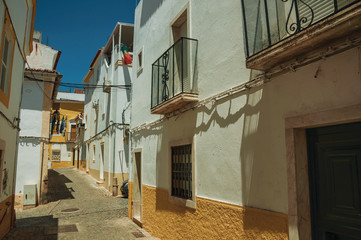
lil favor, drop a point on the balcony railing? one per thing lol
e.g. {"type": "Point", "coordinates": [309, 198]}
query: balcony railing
{"type": "Point", "coordinates": [269, 22]}
{"type": "Point", "coordinates": [174, 77]}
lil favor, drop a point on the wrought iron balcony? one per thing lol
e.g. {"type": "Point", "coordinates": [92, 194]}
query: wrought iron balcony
{"type": "Point", "coordinates": [268, 23]}
{"type": "Point", "coordinates": [174, 77]}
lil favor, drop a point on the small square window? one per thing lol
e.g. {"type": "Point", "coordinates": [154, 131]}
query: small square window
{"type": "Point", "coordinates": [182, 171]}
{"type": "Point", "coordinates": [140, 62]}
{"type": "Point", "coordinates": [55, 155]}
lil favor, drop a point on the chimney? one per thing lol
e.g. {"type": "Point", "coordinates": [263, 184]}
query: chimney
{"type": "Point", "coordinates": [37, 36]}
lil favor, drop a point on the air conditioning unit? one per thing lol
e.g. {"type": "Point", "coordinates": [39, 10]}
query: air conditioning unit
{"type": "Point", "coordinates": [106, 86]}
{"type": "Point", "coordinates": [95, 104]}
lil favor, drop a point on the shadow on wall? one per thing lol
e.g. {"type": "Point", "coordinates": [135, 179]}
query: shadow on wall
{"type": "Point", "coordinates": [44, 227]}
{"type": "Point", "coordinates": [200, 121]}
{"type": "Point", "coordinates": [29, 142]}
{"type": "Point", "coordinates": [57, 189]}
{"type": "Point", "coordinates": [127, 81]}
{"type": "Point", "coordinates": [174, 129]}
{"type": "Point", "coordinates": [149, 7]}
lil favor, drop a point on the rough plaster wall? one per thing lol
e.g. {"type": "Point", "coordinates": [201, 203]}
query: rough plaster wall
{"type": "Point", "coordinates": [29, 157]}
{"type": "Point", "coordinates": [42, 57]}
{"type": "Point", "coordinates": [211, 219]}
{"type": "Point", "coordinates": [31, 109]}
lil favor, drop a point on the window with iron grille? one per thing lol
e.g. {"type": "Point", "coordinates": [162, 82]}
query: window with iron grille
{"type": "Point", "coordinates": [182, 171]}
{"type": "Point", "coordinates": [55, 155]}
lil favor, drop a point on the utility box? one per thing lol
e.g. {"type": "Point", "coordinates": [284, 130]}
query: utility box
{"type": "Point", "coordinates": [30, 195]}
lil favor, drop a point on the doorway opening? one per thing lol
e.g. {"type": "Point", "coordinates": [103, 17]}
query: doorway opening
{"type": "Point", "coordinates": [137, 188]}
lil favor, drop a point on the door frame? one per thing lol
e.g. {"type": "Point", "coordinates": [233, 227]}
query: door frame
{"type": "Point", "coordinates": [299, 213]}
{"type": "Point", "coordinates": [101, 162]}
{"type": "Point", "coordinates": [140, 151]}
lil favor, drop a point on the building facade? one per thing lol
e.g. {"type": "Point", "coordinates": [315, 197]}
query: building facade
{"type": "Point", "coordinates": [39, 90]}
{"type": "Point", "coordinates": [80, 147]}
{"type": "Point", "coordinates": [17, 26]}
{"type": "Point", "coordinates": [107, 109]}
{"type": "Point", "coordinates": [223, 97]}
{"type": "Point", "coordinates": [65, 110]}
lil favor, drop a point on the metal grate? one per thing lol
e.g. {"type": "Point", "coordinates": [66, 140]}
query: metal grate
{"type": "Point", "coordinates": [182, 171]}
{"type": "Point", "coordinates": [68, 210]}
{"type": "Point", "coordinates": [138, 234]}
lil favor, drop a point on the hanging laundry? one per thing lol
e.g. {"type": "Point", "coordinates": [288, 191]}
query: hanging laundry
{"type": "Point", "coordinates": [127, 58]}
{"type": "Point", "coordinates": [62, 126]}
{"type": "Point", "coordinates": [65, 123]}
{"type": "Point", "coordinates": [51, 126]}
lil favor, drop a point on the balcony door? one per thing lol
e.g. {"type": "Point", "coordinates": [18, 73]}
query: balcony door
{"type": "Point", "coordinates": [181, 55]}
{"type": "Point", "coordinates": [137, 188]}
{"type": "Point", "coordinates": [334, 155]}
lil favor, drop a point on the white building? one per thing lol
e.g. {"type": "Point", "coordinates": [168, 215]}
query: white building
{"type": "Point", "coordinates": [107, 109]}
{"type": "Point", "coordinates": [39, 91]}
{"type": "Point", "coordinates": [63, 128]}
{"type": "Point", "coordinates": [219, 151]}
{"type": "Point", "coordinates": [17, 26]}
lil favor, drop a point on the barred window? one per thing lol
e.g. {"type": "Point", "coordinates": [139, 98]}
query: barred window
{"type": "Point", "coordinates": [182, 171]}
{"type": "Point", "coordinates": [56, 155]}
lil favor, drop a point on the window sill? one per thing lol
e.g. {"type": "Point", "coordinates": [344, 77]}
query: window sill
{"type": "Point", "coordinates": [184, 202]}
{"type": "Point", "coordinates": [343, 24]}
{"type": "Point", "coordinates": [139, 71]}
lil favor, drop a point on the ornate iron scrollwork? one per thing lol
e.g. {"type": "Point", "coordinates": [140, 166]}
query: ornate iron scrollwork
{"type": "Point", "coordinates": [302, 22]}
{"type": "Point", "coordinates": [165, 77]}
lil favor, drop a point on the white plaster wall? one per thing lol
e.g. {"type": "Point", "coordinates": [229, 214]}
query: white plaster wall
{"type": "Point", "coordinates": [28, 168]}
{"type": "Point", "coordinates": [31, 109]}
{"type": "Point", "coordinates": [113, 108]}
{"type": "Point", "coordinates": [42, 57]}
{"type": "Point", "coordinates": [8, 134]}
{"type": "Point", "coordinates": [240, 154]}
{"type": "Point", "coordinates": [66, 151]}
{"type": "Point", "coordinates": [220, 66]}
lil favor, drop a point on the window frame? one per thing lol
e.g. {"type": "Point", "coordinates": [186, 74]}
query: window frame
{"type": "Point", "coordinates": [52, 155]}
{"type": "Point", "coordinates": [2, 158]}
{"type": "Point", "coordinates": [4, 98]}
{"type": "Point", "coordinates": [191, 203]}
{"type": "Point", "coordinates": [140, 61]}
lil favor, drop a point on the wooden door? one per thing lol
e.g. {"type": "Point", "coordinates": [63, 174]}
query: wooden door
{"type": "Point", "coordinates": [73, 133]}
{"type": "Point", "coordinates": [334, 155]}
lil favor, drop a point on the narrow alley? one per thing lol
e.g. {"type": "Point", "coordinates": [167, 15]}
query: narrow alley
{"type": "Point", "coordinates": [77, 209]}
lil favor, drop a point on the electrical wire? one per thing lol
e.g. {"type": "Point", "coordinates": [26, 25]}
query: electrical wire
{"type": "Point", "coordinates": [12, 124]}
{"type": "Point", "coordinates": [78, 85]}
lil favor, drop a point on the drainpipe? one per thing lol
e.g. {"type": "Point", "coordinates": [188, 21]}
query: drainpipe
{"type": "Point", "coordinates": [111, 118]}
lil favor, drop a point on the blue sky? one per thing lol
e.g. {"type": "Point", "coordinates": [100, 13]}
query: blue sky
{"type": "Point", "coordinates": [78, 28]}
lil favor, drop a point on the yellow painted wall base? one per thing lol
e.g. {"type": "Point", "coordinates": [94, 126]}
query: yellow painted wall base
{"type": "Point", "coordinates": [130, 199]}
{"type": "Point", "coordinates": [7, 213]}
{"type": "Point", "coordinates": [61, 164]}
{"type": "Point", "coordinates": [19, 200]}
{"type": "Point", "coordinates": [210, 220]}
{"type": "Point", "coordinates": [81, 164]}
{"type": "Point", "coordinates": [109, 185]}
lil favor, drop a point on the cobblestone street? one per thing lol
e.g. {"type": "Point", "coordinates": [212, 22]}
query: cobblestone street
{"type": "Point", "coordinates": [77, 209]}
